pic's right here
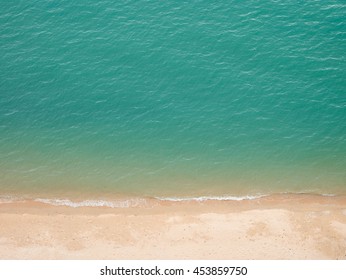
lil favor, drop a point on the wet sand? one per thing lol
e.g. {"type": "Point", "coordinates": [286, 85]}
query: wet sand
{"type": "Point", "coordinates": [275, 227]}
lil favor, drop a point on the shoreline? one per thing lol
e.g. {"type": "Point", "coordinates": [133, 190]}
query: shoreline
{"type": "Point", "coordinates": [290, 226]}
{"type": "Point", "coordinates": [144, 201]}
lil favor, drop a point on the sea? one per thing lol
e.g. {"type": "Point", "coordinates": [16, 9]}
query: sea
{"type": "Point", "coordinates": [173, 100]}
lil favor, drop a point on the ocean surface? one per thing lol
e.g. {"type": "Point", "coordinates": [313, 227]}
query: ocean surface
{"type": "Point", "coordinates": [172, 99]}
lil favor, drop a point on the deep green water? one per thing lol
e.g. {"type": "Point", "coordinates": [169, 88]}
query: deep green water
{"type": "Point", "coordinates": [173, 98]}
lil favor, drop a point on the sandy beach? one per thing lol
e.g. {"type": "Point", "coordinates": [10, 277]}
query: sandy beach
{"type": "Point", "coordinates": [274, 227]}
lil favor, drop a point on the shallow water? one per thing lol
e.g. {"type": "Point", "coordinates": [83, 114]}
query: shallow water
{"type": "Point", "coordinates": [172, 99]}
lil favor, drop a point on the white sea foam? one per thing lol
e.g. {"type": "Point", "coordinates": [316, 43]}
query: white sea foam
{"type": "Point", "coordinates": [328, 194]}
{"type": "Point", "coordinates": [135, 202]}
{"type": "Point", "coordinates": [123, 203]}
{"type": "Point", "coordinates": [94, 203]}
{"type": "Point", "coordinates": [9, 199]}
{"type": "Point", "coordinates": [132, 202]}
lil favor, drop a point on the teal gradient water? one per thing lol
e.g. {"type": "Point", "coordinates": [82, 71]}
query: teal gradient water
{"type": "Point", "coordinates": [173, 97]}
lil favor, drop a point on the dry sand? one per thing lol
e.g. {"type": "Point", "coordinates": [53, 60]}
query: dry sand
{"type": "Point", "coordinates": [275, 227]}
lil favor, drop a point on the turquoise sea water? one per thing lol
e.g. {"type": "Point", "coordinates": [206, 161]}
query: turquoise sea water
{"type": "Point", "coordinates": [172, 98]}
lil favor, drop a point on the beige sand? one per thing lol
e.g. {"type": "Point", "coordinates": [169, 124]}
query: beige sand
{"type": "Point", "coordinates": [276, 227]}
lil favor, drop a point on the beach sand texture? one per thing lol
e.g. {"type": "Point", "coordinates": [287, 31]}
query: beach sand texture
{"type": "Point", "coordinates": [275, 227]}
